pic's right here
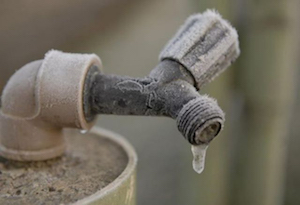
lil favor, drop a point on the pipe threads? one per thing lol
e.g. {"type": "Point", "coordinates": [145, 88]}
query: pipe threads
{"type": "Point", "coordinates": [200, 120]}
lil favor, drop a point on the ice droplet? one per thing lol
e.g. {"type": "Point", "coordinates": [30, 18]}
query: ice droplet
{"type": "Point", "coordinates": [199, 152]}
{"type": "Point", "coordinates": [83, 131]}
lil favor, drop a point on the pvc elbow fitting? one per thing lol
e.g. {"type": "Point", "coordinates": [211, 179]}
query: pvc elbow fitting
{"type": "Point", "coordinates": [39, 100]}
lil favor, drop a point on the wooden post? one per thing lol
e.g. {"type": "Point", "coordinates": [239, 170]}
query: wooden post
{"type": "Point", "coordinates": [266, 79]}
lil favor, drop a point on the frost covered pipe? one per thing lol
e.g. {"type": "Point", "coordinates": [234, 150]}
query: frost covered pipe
{"type": "Point", "coordinates": [203, 47]}
{"type": "Point", "coordinates": [168, 91]}
{"type": "Point", "coordinates": [68, 90]}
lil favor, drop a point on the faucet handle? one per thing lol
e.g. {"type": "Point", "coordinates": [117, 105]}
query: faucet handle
{"type": "Point", "coordinates": [205, 45]}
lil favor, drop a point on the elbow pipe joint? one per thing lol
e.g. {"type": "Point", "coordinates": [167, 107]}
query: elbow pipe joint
{"type": "Point", "coordinates": [41, 99]}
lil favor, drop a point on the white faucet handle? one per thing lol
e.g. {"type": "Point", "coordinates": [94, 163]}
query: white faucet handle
{"type": "Point", "coordinates": [205, 44]}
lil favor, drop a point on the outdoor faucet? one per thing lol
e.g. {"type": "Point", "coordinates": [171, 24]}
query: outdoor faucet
{"type": "Point", "coordinates": [70, 90]}
{"type": "Point", "coordinates": [203, 47]}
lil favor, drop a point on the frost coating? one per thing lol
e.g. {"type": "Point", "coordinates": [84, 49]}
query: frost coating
{"type": "Point", "coordinates": [199, 152]}
{"type": "Point", "coordinates": [206, 45]}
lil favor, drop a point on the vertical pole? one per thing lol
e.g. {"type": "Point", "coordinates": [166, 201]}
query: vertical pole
{"type": "Point", "coordinates": [266, 79]}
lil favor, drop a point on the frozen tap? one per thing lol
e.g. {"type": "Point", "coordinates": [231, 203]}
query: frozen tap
{"type": "Point", "coordinates": [203, 47]}
{"type": "Point", "coordinates": [70, 90]}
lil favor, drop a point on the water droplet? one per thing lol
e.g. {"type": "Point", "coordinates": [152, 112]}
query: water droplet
{"type": "Point", "coordinates": [83, 131]}
{"type": "Point", "coordinates": [199, 152]}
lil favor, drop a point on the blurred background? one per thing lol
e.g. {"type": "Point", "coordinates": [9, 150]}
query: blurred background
{"type": "Point", "coordinates": [254, 160]}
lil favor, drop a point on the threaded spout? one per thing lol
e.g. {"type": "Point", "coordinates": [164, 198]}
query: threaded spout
{"type": "Point", "coordinates": [200, 120]}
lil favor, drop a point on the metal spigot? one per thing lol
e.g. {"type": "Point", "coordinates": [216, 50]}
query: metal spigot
{"type": "Point", "coordinates": [202, 48]}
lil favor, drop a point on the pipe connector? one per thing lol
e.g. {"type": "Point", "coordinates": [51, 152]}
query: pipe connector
{"type": "Point", "coordinates": [39, 100]}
